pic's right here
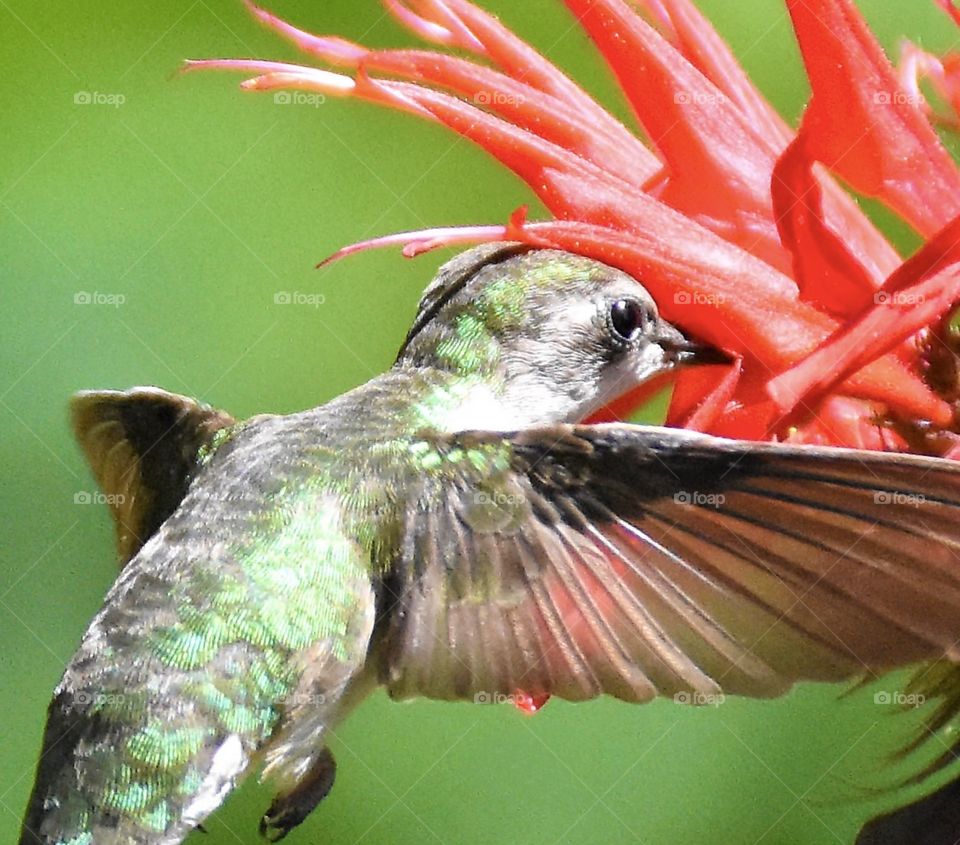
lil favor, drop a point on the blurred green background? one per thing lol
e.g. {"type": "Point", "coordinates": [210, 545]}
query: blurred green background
{"type": "Point", "coordinates": [195, 203]}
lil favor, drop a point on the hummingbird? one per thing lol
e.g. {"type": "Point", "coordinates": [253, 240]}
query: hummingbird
{"type": "Point", "coordinates": [452, 529]}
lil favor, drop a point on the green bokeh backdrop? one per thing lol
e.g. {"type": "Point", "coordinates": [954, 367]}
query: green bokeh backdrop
{"type": "Point", "coordinates": [196, 203]}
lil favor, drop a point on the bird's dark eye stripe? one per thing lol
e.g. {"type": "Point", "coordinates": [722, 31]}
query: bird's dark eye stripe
{"type": "Point", "coordinates": [628, 318]}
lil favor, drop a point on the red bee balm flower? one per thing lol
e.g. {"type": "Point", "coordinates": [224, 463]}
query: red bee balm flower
{"type": "Point", "coordinates": [838, 340]}
{"type": "Point", "coordinates": [734, 222]}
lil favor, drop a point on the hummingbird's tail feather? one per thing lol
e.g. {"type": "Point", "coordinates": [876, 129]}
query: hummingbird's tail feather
{"type": "Point", "coordinates": [144, 446]}
{"type": "Point", "coordinates": [59, 742]}
{"type": "Point", "coordinates": [935, 682]}
{"type": "Point", "coordinates": [933, 819]}
{"type": "Point", "coordinates": [142, 782]}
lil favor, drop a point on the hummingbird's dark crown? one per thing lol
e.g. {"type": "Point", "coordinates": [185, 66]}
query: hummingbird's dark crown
{"type": "Point", "coordinates": [452, 278]}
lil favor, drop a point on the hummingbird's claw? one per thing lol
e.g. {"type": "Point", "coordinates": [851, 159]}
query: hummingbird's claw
{"type": "Point", "coordinates": [289, 809]}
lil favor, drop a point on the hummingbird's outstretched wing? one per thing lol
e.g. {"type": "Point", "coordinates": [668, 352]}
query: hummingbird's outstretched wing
{"type": "Point", "coordinates": [143, 446]}
{"type": "Point", "coordinates": [636, 562]}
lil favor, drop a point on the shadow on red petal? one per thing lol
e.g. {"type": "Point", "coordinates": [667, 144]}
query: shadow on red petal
{"type": "Point", "coordinates": [701, 396]}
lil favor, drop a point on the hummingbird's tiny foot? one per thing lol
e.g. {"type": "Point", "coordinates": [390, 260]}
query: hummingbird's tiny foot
{"type": "Point", "coordinates": [271, 832]}
{"type": "Point", "coordinates": [290, 809]}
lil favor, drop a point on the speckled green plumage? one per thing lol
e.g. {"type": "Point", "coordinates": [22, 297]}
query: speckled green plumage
{"type": "Point", "coordinates": [290, 588]}
{"type": "Point", "coordinates": [278, 531]}
{"type": "Point", "coordinates": [469, 340]}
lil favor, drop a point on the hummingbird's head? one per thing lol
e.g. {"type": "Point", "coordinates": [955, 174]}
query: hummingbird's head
{"type": "Point", "coordinates": [559, 335]}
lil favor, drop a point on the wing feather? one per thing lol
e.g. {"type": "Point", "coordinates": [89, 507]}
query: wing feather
{"type": "Point", "coordinates": [638, 561]}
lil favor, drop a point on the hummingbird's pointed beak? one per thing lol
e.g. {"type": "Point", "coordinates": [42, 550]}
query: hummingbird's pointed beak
{"type": "Point", "coordinates": [685, 352]}
{"type": "Point", "coordinates": [692, 352]}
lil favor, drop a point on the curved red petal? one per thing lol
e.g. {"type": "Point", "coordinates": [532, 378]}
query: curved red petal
{"type": "Point", "coordinates": [519, 60]}
{"type": "Point", "coordinates": [944, 77]}
{"type": "Point", "coordinates": [728, 126]}
{"type": "Point", "coordinates": [841, 420]}
{"type": "Point", "coordinates": [950, 8]}
{"type": "Point", "coordinates": [724, 134]}
{"type": "Point", "coordinates": [862, 124]}
{"type": "Point", "coordinates": [568, 184]}
{"type": "Point", "coordinates": [306, 41]}
{"type": "Point", "coordinates": [826, 272]}
{"type": "Point", "coordinates": [553, 111]}
{"type": "Point", "coordinates": [443, 28]}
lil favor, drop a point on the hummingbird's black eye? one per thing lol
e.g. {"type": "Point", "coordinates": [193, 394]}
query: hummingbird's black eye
{"type": "Point", "coordinates": [628, 318]}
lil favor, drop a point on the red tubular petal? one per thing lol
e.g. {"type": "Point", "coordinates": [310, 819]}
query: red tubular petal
{"type": "Point", "coordinates": [718, 132]}
{"type": "Point", "coordinates": [283, 75]}
{"type": "Point", "coordinates": [519, 60]}
{"type": "Point", "coordinates": [448, 33]}
{"type": "Point", "coordinates": [864, 241]}
{"type": "Point", "coordinates": [750, 414]}
{"type": "Point", "coordinates": [442, 13]}
{"type": "Point", "coordinates": [524, 106]}
{"type": "Point", "coordinates": [423, 240]}
{"type": "Point", "coordinates": [306, 41]}
{"type": "Point", "coordinates": [747, 422]}
{"type": "Point", "coordinates": [703, 136]}
{"type": "Point", "coordinates": [862, 124]}
{"type": "Point", "coordinates": [702, 45]}
{"type": "Point", "coordinates": [944, 76]}
{"type": "Point", "coordinates": [569, 185]}
{"type": "Point", "coordinates": [560, 111]}
{"type": "Point", "coordinates": [827, 274]}
{"type": "Point", "coordinates": [428, 30]}
{"type": "Point", "coordinates": [581, 127]}
{"type": "Point", "coordinates": [921, 292]}
{"type": "Point", "coordinates": [257, 66]}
